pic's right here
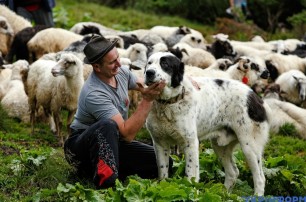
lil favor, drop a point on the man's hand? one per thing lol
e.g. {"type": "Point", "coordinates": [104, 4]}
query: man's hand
{"type": "Point", "coordinates": [153, 91]}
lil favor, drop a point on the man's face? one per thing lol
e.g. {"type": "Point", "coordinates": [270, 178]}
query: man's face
{"type": "Point", "coordinates": [110, 64]}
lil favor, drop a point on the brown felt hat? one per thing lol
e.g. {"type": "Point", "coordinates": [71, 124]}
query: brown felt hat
{"type": "Point", "coordinates": [96, 48]}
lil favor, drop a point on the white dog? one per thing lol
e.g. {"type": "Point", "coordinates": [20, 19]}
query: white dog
{"type": "Point", "coordinates": [225, 111]}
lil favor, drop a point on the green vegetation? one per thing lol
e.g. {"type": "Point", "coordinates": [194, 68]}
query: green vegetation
{"type": "Point", "coordinates": [33, 167]}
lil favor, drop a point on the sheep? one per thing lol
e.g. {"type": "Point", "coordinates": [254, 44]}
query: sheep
{"type": "Point", "coordinates": [152, 39]}
{"type": "Point", "coordinates": [19, 44]}
{"type": "Point", "coordinates": [287, 44]}
{"type": "Point", "coordinates": [195, 56]}
{"type": "Point", "coordinates": [293, 87]}
{"type": "Point", "coordinates": [278, 64]}
{"type": "Point", "coordinates": [79, 27]}
{"type": "Point", "coordinates": [5, 75]}
{"type": "Point", "coordinates": [246, 70]}
{"type": "Point", "coordinates": [129, 40]}
{"type": "Point", "coordinates": [285, 112]}
{"type": "Point", "coordinates": [120, 41]}
{"type": "Point", "coordinates": [222, 48]}
{"type": "Point", "coordinates": [135, 52]}
{"type": "Point", "coordinates": [5, 27]}
{"type": "Point", "coordinates": [51, 40]}
{"type": "Point", "coordinates": [220, 64]}
{"type": "Point", "coordinates": [138, 33]}
{"type": "Point", "coordinates": [15, 101]}
{"type": "Point", "coordinates": [176, 36]}
{"type": "Point", "coordinates": [16, 22]}
{"type": "Point", "coordinates": [300, 51]}
{"type": "Point", "coordinates": [55, 85]}
{"type": "Point", "coordinates": [195, 40]}
{"type": "Point", "coordinates": [164, 31]}
{"type": "Point", "coordinates": [6, 34]}
{"type": "Point", "coordinates": [253, 44]}
{"type": "Point", "coordinates": [77, 49]}
{"type": "Point", "coordinates": [258, 38]}
{"type": "Point", "coordinates": [159, 47]}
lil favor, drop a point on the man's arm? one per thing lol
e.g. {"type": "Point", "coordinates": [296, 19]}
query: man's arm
{"type": "Point", "coordinates": [129, 128]}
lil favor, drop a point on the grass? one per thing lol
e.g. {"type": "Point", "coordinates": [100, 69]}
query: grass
{"type": "Point", "coordinates": [33, 167]}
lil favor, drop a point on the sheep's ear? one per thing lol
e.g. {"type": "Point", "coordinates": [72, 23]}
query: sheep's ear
{"type": "Point", "coordinates": [237, 60]}
{"type": "Point", "coordinates": [296, 78]}
{"type": "Point", "coordinates": [7, 66]}
{"type": "Point", "coordinates": [185, 51]}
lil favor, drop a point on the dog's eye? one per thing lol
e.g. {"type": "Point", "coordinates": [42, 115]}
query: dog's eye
{"type": "Point", "coordinates": [164, 64]}
{"type": "Point", "coordinates": [149, 62]}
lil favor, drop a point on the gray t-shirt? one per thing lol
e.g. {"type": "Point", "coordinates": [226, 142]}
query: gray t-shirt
{"type": "Point", "coordinates": [99, 100]}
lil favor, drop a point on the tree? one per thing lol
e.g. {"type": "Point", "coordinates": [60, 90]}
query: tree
{"type": "Point", "coordinates": [267, 14]}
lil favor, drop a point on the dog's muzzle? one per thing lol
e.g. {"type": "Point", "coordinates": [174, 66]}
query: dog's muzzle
{"type": "Point", "coordinates": [149, 77]}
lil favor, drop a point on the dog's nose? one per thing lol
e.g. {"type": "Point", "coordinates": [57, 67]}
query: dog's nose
{"type": "Point", "coordinates": [150, 73]}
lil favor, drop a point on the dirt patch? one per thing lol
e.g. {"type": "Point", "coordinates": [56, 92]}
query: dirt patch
{"type": "Point", "coordinates": [9, 150]}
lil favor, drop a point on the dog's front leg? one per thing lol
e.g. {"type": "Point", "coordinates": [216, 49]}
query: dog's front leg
{"type": "Point", "coordinates": [162, 157]}
{"type": "Point", "coordinates": [192, 168]}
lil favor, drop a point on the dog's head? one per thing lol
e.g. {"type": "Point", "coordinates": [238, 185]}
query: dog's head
{"type": "Point", "coordinates": [164, 66]}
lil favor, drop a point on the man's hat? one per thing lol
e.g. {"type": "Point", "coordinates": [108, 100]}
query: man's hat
{"type": "Point", "coordinates": [96, 48]}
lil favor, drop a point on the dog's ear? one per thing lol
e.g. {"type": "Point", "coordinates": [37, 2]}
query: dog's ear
{"type": "Point", "coordinates": [178, 73]}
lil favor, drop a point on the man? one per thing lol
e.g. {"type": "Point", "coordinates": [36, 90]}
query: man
{"type": "Point", "coordinates": [39, 11]}
{"type": "Point", "coordinates": [101, 143]}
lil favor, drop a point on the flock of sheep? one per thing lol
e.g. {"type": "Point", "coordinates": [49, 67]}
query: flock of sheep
{"type": "Point", "coordinates": [42, 69]}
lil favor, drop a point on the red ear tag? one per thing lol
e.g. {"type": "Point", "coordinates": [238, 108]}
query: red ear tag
{"type": "Point", "coordinates": [245, 80]}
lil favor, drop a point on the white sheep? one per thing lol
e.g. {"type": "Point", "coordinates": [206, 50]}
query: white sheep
{"type": "Point", "coordinates": [6, 35]}
{"type": "Point", "coordinates": [163, 31]}
{"type": "Point", "coordinates": [293, 87]}
{"type": "Point", "coordinates": [159, 47]}
{"type": "Point", "coordinates": [246, 70]}
{"type": "Point", "coordinates": [51, 40]}
{"type": "Point", "coordinates": [55, 85]}
{"type": "Point", "coordinates": [284, 63]}
{"type": "Point", "coordinates": [16, 22]}
{"type": "Point", "coordinates": [254, 44]}
{"type": "Point", "coordinates": [138, 33]}
{"type": "Point", "coordinates": [134, 52]}
{"type": "Point", "coordinates": [195, 56]}
{"type": "Point", "coordinates": [78, 27]}
{"type": "Point", "coordinates": [5, 75]}
{"type": "Point", "coordinates": [220, 64]}
{"type": "Point", "coordinates": [286, 44]}
{"type": "Point", "coordinates": [15, 101]}
{"type": "Point", "coordinates": [258, 38]}
{"type": "Point", "coordinates": [284, 112]}
{"type": "Point", "coordinates": [5, 27]}
{"type": "Point", "coordinates": [195, 40]}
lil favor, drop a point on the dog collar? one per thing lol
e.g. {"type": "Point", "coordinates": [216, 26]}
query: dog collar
{"type": "Point", "coordinates": [174, 99]}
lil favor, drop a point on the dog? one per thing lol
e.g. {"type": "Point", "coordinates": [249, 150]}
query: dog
{"type": "Point", "coordinates": [225, 111]}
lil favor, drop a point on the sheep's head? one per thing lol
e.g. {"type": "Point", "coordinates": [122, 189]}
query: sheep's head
{"type": "Point", "coordinates": [222, 47]}
{"type": "Point", "coordinates": [224, 63]}
{"type": "Point", "coordinates": [68, 65]}
{"type": "Point", "coordinates": [5, 27]}
{"type": "Point", "coordinates": [195, 40]}
{"type": "Point", "coordinates": [138, 51]}
{"type": "Point", "coordinates": [301, 86]}
{"type": "Point", "coordinates": [251, 69]}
